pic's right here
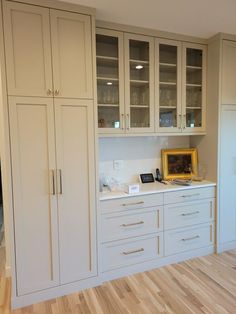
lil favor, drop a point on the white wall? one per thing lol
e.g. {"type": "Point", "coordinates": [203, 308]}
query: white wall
{"type": "Point", "coordinates": [140, 155]}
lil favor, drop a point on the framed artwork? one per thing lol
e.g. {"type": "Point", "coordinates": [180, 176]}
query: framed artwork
{"type": "Point", "coordinates": [179, 163]}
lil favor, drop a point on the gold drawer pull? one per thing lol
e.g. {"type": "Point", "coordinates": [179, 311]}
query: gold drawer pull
{"type": "Point", "coordinates": [192, 213]}
{"type": "Point", "coordinates": [191, 195]}
{"type": "Point", "coordinates": [133, 252]}
{"type": "Point", "coordinates": [192, 238]}
{"type": "Point", "coordinates": [133, 224]}
{"type": "Point", "coordinates": [132, 204]}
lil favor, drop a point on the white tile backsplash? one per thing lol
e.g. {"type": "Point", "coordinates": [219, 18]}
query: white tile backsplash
{"type": "Point", "coordinates": [140, 155]}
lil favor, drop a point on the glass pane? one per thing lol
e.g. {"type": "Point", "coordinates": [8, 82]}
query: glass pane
{"type": "Point", "coordinates": [168, 118]}
{"type": "Point", "coordinates": [194, 97]}
{"type": "Point", "coordinates": [193, 118]}
{"type": "Point", "coordinates": [139, 117]}
{"type": "Point", "coordinates": [167, 85]}
{"type": "Point", "coordinates": [194, 57]}
{"type": "Point", "coordinates": [107, 81]}
{"type": "Point", "coordinates": [139, 84]}
{"type": "Point", "coordinates": [108, 117]}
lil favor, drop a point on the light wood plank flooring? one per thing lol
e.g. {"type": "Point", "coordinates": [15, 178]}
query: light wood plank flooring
{"type": "Point", "coordinates": [201, 285]}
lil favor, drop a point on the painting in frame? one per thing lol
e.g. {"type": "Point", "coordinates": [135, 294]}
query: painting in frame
{"type": "Point", "coordinates": [179, 163]}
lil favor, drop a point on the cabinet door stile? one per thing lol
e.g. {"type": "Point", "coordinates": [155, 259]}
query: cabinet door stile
{"type": "Point", "coordinates": [35, 205]}
{"type": "Point", "coordinates": [76, 188]}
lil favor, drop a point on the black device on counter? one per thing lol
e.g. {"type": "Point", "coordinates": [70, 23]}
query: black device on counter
{"type": "Point", "coordinates": [147, 178]}
{"type": "Point", "coordinates": [158, 175]}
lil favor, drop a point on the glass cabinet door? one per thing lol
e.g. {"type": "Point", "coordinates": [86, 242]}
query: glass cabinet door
{"type": "Point", "coordinates": [139, 83]}
{"type": "Point", "coordinates": [168, 54]}
{"type": "Point", "coordinates": [194, 88]}
{"type": "Point", "coordinates": [109, 75]}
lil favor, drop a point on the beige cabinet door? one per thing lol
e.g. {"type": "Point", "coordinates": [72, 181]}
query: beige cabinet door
{"type": "Point", "coordinates": [28, 52]}
{"type": "Point", "coordinates": [228, 73]}
{"type": "Point", "coordinates": [35, 208]}
{"type": "Point", "coordinates": [71, 54]}
{"type": "Point", "coordinates": [76, 188]}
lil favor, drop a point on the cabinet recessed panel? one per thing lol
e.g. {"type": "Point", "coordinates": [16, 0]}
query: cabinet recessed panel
{"type": "Point", "coordinates": [72, 55]}
{"type": "Point", "coordinates": [35, 212]}
{"type": "Point", "coordinates": [28, 54]}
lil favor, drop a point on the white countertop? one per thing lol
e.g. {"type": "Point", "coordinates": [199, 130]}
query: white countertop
{"type": "Point", "coordinates": [151, 188]}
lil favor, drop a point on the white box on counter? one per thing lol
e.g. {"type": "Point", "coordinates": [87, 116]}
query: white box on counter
{"type": "Point", "coordinates": [131, 188]}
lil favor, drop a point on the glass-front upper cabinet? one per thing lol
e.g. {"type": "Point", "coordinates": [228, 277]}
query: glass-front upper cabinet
{"type": "Point", "coordinates": [139, 83]}
{"type": "Point", "coordinates": [168, 88]}
{"type": "Point", "coordinates": [194, 87]}
{"type": "Point", "coordinates": [110, 81]}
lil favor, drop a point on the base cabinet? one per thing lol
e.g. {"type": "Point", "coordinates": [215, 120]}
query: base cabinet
{"type": "Point", "coordinates": [155, 229]}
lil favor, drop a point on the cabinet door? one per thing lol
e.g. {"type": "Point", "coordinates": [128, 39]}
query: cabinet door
{"type": "Point", "coordinates": [35, 208]}
{"type": "Point", "coordinates": [139, 83]}
{"type": "Point", "coordinates": [168, 86]}
{"type": "Point", "coordinates": [228, 73]}
{"type": "Point", "coordinates": [28, 51]}
{"type": "Point", "coordinates": [227, 176]}
{"type": "Point", "coordinates": [72, 54]}
{"type": "Point", "coordinates": [76, 189]}
{"type": "Point", "coordinates": [110, 81]}
{"type": "Point", "coordinates": [194, 88]}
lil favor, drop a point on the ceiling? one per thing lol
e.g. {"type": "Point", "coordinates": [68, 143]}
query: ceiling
{"type": "Point", "coordinates": [201, 18]}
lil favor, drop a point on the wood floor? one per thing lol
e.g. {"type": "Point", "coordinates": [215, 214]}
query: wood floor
{"type": "Point", "coordinates": [202, 285]}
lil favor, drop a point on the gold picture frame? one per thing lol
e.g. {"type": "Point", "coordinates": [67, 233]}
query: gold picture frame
{"type": "Point", "coordinates": [179, 163]}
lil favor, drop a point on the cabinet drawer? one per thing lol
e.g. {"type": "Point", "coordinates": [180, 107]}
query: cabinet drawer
{"type": "Point", "coordinates": [189, 195]}
{"type": "Point", "coordinates": [188, 239]}
{"type": "Point", "coordinates": [128, 252]}
{"type": "Point", "coordinates": [138, 222]}
{"type": "Point", "coordinates": [133, 202]}
{"type": "Point", "coordinates": [190, 213]}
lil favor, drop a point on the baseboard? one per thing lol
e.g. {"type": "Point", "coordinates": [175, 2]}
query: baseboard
{"type": "Point", "coordinates": [226, 246]}
{"type": "Point", "coordinates": [7, 271]}
{"type": "Point", "coordinates": [47, 294]}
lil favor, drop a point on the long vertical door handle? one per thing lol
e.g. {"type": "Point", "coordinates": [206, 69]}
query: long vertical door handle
{"type": "Point", "coordinates": [60, 181]}
{"type": "Point", "coordinates": [52, 177]}
{"type": "Point", "coordinates": [127, 122]}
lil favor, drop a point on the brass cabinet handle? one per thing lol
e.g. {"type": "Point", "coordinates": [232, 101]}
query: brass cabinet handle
{"type": "Point", "coordinates": [56, 93]}
{"type": "Point", "coordinates": [134, 251]}
{"type": "Point", "coordinates": [60, 181]}
{"type": "Point", "coordinates": [184, 119]}
{"type": "Point", "coordinates": [192, 238]}
{"type": "Point", "coordinates": [49, 92]}
{"type": "Point", "coordinates": [190, 195]}
{"type": "Point", "coordinates": [53, 192]}
{"type": "Point", "coordinates": [132, 204]}
{"type": "Point", "coordinates": [127, 122]}
{"type": "Point", "coordinates": [192, 213]}
{"type": "Point", "coordinates": [133, 224]}
{"type": "Point", "coordinates": [180, 122]}
{"type": "Point", "coordinates": [122, 122]}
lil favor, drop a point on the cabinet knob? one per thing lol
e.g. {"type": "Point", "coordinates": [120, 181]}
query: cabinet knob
{"type": "Point", "coordinates": [49, 92]}
{"type": "Point", "coordinates": [56, 93]}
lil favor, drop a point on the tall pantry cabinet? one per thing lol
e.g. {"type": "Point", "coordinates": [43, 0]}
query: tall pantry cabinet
{"type": "Point", "coordinates": [217, 150]}
{"type": "Point", "coordinates": [49, 68]}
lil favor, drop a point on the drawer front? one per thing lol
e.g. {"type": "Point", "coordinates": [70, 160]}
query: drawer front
{"type": "Point", "coordinates": [133, 202]}
{"type": "Point", "coordinates": [129, 252]}
{"type": "Point", "coordinates": [189, 213]}
{"type": "Point", "coordinates": [188, 239]}
{"type": "Point", "coordinates": [188, 195]}
{"type": "Point", "coordinates": [138, 222]}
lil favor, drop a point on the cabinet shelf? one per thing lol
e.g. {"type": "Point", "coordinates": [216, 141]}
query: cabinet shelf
{"type": "Point", "coordinates": [171, 65]}
{"type": "Point", "coordinates": [107, 58]}
{"type": "Point", "coordinates": [139, 106]}
{"type": "Point", "coordinates": [193, 67]}
{"type": "Point", "coordinates": [139, 82]}
{"type": "Point", "coordinates": [108, 105]}
{"type": "Point", "coordinates": [168, 107]}
{"type": "Point", "coordinates": [168, 83]}
{"type": "Point", "coordinates": [194, 85]}
{"type": "Point", "coordinates": [138, 61]}
{"type": "Point", "coordinates": [194, 108]}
